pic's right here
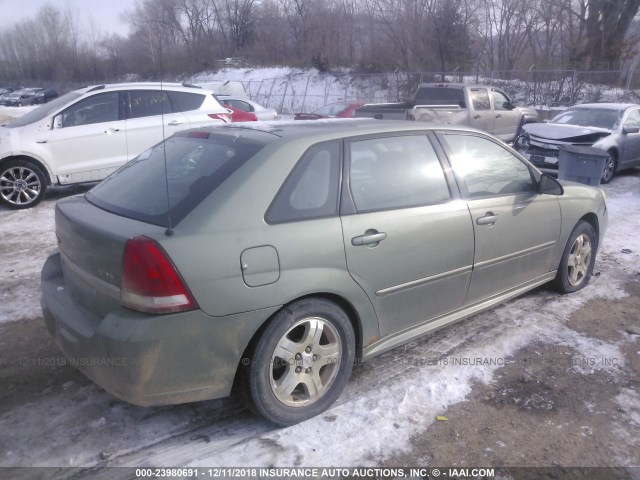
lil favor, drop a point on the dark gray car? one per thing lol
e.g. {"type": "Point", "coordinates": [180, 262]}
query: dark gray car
{"type": "Point", "coordinates": [271, 257]}
{"type": "Point", "coordinates": [611, 127]}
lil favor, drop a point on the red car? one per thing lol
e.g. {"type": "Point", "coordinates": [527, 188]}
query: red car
{"type": "Point", "coordinates": [241, 116]}
{"type": "Point", "coordinates": [332, 110]}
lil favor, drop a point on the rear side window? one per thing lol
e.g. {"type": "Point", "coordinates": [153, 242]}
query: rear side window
{"type": "Point", "coordinates": [480, 99]}
{"type": "Point", "coordinates": [311, 190]}
{"type": "Point", "coordinates": [396, 172]}
{"type": "Point", "coordinates": [238, 104]}
{"type": "Point", "coordinates": [147, 103]}
{"type": "Point", "coordinates": [195, 166]}
{"type": "Point", "coordinates": [185, 101]}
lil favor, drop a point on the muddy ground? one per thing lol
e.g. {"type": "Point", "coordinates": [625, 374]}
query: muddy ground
{"type": "Point", "coordinates": [551, 405]}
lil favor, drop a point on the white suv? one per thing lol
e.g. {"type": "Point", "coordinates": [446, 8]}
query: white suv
{"type": "Point", "coordinates": [87, 134]}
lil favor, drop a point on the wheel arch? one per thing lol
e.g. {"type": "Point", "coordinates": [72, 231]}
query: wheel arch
{"type": "Point", "coordinates": [26, 158]}
{"type": "Point", "coordinates": [592, 219]}
{"type": "Point", "coordinates": [342, 302]}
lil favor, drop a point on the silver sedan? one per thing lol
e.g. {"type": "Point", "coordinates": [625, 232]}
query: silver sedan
{"type": "Point", "coordinates": [611, 127]}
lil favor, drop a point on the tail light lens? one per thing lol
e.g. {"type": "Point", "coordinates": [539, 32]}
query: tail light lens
{"type": "Point", "coordinates": [150, 281]}
{"type": "Point", "coordinates": [225, 117]}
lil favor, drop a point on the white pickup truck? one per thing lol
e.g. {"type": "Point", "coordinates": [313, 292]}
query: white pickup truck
{"type": "Point", "coordinates": [479, 106]}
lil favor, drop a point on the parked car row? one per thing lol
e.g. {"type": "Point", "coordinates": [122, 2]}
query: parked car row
{"type": "Point", "coordinates": [18, 97]}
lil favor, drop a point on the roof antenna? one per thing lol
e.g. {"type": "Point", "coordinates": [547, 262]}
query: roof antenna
{"type": "Point", "coordinates": [169, 231]}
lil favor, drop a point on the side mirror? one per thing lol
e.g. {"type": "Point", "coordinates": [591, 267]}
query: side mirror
{"type": "Point", "coordinates": [508, 106]}
{"type": "Point", "coordinates": [630, 128]}
{"type": "Point", "coordinates": [57, 121]}
{"type": "Point", "coordinates": [550, 186]}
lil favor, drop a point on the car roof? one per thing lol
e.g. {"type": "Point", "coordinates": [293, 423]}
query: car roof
{"type": "Point", "coordinates": [606, 106]}
{"type": "Point", "coordinates": [153, 85]}
{"type": "Point", "coordinates": [331, 128]}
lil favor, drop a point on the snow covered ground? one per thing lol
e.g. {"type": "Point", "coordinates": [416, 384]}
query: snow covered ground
{"type": "Point", "coordinates": [387, 402]}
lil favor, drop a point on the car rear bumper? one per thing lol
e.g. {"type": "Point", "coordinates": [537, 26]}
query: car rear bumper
{"type": "Point", "coordinates": [148, 359]}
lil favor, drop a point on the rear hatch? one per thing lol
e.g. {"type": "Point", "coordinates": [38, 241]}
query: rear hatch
{"type": "Point", "coordinates": [147, 197]}
{"type": "Point", "coordinates": [91, 243]}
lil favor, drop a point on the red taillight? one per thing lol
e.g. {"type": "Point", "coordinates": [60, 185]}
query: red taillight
{"type": "Point", "coordinates": [150, 281]}
{"type": "Point", "coordinates": [225, 117]}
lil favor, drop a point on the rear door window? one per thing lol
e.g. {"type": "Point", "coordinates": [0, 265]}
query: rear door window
{"type": "Point", "coordinates": [196, 164]}
{"type": "Point", "coordinates": [147, 103]}
{"type": "Point", "coordinates": [396, 172]}
{"type": "Point", "coordinates": [480, 99]}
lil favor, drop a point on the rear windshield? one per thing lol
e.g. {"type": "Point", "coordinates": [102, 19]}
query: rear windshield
{"type": "Point", "coordinates": [196, 164]}
{"type": "Point", "coordinates": [440, 96]}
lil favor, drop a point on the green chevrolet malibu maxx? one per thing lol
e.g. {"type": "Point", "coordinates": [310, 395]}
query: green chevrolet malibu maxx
{"type": "Point", "coordinates": [267, 259]}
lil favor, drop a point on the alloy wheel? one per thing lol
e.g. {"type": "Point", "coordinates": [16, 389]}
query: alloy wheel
{"type": "Point", "coordinates": [579, 260]}
{"type": "Point", "coordinates": [305, 362]}
{"type": "Point", "coordinates": [19, 185]}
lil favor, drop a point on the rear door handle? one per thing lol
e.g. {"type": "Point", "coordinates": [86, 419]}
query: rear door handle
{"type": "Point", "coordinates": [488, 219]}
{"type": "Point", "coordinates": [111, 131]}
{"type": "Point", "coordinates": [498, 116]}
{"type": "Point", "coordinates": [175, 122]}
{"type": "Point", "coordinates": [370, 237]}
{"type": "Point", "coordinates": [476, 117]}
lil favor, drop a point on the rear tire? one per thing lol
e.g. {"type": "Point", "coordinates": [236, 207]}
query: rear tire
{"type": "Point", "coordinates": [300, 364]}
{"type": "Point", "coordinates": [576, 266]}
{"type": "Point", "coordinates": [22, 184]}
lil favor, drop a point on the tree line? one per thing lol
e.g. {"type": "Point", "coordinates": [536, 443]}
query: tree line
{"type": "Point", "coordinates": [173, 38]}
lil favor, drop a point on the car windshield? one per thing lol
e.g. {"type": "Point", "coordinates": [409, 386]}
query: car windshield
{"type": "Point", "coordinates": [196, 164]}
{"type": "Point", "coordinates": [43, 111]}
{"type": "Point", "coordinates": [590, 117]}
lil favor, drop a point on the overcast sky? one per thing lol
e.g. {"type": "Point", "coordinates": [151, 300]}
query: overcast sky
{"type": "Point", "coordinates": [105, 13]}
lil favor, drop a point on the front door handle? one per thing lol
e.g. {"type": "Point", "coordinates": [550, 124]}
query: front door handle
{"type": "Point", "coordinates": [370, 237]}
{"type": "Point", "coordinates": [489, 219]}
{"type": "Point", "coordinates": [498, 116]}
{"type": "Point", "coordinates": [476, 117]}
{"type": "Point", "coordinates": [111, 131]}
{"type": "Point", "coordinates": [175, 122]}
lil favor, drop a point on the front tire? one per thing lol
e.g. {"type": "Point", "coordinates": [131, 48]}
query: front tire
{"type": "Point", "coordinates": [301, 362]}
{"type": "Point", "coordinates": [610, 167]}
{"type": "Point", "coordinates": [578, 259]}
{"type": "Point", "coordinates": [22, 184]}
